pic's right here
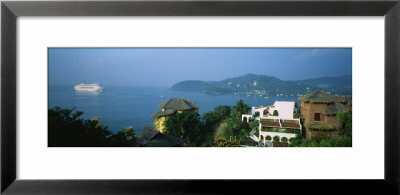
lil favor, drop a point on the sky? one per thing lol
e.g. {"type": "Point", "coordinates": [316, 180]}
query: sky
{"type": "Point", "coordinates": [163, 67]}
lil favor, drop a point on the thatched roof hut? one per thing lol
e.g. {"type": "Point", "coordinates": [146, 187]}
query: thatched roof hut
{"type": "Point", "coordinates": [334, 108]}
{"type": "Point", "coordinates": [153, 138]}
{"type": "Point", "coordinates": [172, 105]}
{"type": "Point", "coordinates": [321, 97]}
{"type": "Point", "coordinates": [178, 104]}
{"type": "Point", "coordinates": [161, 113]}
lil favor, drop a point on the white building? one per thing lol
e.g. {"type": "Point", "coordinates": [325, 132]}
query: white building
{"type": "Point", "coordinates": [275, 120]}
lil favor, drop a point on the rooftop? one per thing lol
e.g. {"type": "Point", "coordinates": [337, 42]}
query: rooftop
{"type": "Point", "coordinates": [161, 113]}
{"type": "Point", "coordinates": [334, 108]}
{"type": "Point", "coordinates": [178, 104]}
{"type": "Point", "coordinates": [321, 97]}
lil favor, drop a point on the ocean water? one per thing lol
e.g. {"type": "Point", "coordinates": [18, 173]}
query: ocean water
{"type": "Point", "coordinates": [119, 106]}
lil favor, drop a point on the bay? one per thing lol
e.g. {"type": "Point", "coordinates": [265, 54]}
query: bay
{"type": "Point", "coordinates": [123, 106]}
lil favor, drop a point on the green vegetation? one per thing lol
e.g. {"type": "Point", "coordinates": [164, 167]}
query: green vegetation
{"type": "Point", "coordinates": [271, 129]}
{"type": "Point", "coordinates": [225, 122]}
{"type": "Point", "coordinates": [276, 138]}
{"type": "Point", "coordinates": [296, 131]}
{"type": "Point", "coordinates": [222, 142]}
{"type": "Point", "coordinates": [184, 125]}
{"type": "Point", "coordinates": [67, 129]}
{"type": "Point", "coordinates": [275, 113]}
{"type": "Point", "coordinates": [266, 85]}
{"type": "Point", "coordinates": [322, 141]}
{"type": "Point", "coordinates": [344, 139]}
{"type": "Point", "coordinates": [212, 121]}
{"type": "Point", "coordinates": [254, 124]}
{"type": "Point", "coordinates": [239, 109]}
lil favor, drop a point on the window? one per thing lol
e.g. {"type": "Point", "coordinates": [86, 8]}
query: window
{"type": "Point", "coordinates": [317, 116]}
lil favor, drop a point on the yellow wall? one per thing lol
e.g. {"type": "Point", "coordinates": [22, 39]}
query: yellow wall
{"type": "Point", "coordinates": [159, 124]}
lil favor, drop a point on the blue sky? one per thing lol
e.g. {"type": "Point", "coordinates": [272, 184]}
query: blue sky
{"type": "Point", "coordinates": [166, 66]}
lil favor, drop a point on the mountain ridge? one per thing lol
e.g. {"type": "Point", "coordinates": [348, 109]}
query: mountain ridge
{"type": "Point", "coordinates": [264, 85]}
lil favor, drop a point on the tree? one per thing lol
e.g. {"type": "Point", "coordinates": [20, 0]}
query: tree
{"type": "Point", "coordinates": [275, 113]}
{"type": "Point", "coordinates": [244, 133]}
{"type": "Point", "coordinates": [239, 109]}
{"type": "Point", "coordinates": [284, 140]}
{"type": "Point", "coordinates": [219, 113]}
{"type": "Point", "coordinates": [67, 129]}
{"type": "Point", "coordinates": [322, 141]}
{"type": "Point", "coordinates": [233, 127]}
{"type": "Point", "coordinates": [276, 138]}
{"type": "Point", "coordinates": [346, 118]}
{"type": "Point", "coordinates": [223, 111]}
{"type": "Point", "coordinates": [184, 125]}
{"type": "Point", "coordinates": [125, 137]}
{"type": "Point", "coordinates": [254, 124]}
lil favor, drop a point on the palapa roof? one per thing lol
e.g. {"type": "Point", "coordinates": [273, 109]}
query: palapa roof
{"type": "Point", "coordinates": [334, 108]}
{"type": "Point", "coordinates": [172, 105]}
{"type": "Point", "coordinates": [319, 125]}
{"type": "Point", "coordinates": [161, 113]}
{"type": "Point", "coordinates": [321, 97]}
{"type": "Point", "coordinates": [178, 104]}
{"type": "Point", "coordinates": [151, 137]}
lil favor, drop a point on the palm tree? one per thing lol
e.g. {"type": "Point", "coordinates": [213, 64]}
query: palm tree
{"type": "Point", "coordinates": [239, 109]}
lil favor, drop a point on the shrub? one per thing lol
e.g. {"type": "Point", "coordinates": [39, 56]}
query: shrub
{"type": "Point", "coordinates": [66, 128]}
{"type": "Point", "coordinates": [268, 138]}
{"type": "Point", "coordinates": [284, 140]}
{"type": "Point", "coordinates": [222, 142]}
{"type": "Point", "coordinates": [276, 138]}
{"type": "Point", "coordinates": [184, 125]}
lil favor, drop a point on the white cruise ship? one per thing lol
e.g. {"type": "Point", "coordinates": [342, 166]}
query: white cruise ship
{"type": "Point", "coordinates": [88, 87]}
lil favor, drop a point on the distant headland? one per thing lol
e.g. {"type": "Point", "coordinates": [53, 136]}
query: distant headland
{"type": "Point", "coordinates": [263, 85]}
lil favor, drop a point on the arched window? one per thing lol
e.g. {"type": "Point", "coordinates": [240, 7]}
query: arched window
{"type": "Point", "coordinates": [276, 113]}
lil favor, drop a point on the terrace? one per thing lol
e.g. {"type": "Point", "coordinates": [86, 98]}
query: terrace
{"type": "Point", "coordinates": [294, 124]}
{"type": "Point", "coordinates": [270, 123]}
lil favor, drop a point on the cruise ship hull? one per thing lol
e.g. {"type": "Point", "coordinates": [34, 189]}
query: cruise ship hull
{"type": "Point", "coordinates": [88, 87]}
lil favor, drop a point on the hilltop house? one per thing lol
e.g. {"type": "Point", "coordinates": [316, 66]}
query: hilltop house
{"type": "Point", "coordinates": [170, 107]}
{"type": "Point", "coordinates": [318, 111]}
{"type": "Point", "coordinates": [276, 120]}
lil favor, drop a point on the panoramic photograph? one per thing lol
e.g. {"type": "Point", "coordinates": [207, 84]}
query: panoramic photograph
{"type": "Point", "coordinates": [199, 97]}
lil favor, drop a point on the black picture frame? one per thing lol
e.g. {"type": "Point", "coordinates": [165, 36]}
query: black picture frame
{"type": "Point", "coordinates": [11, 10]}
